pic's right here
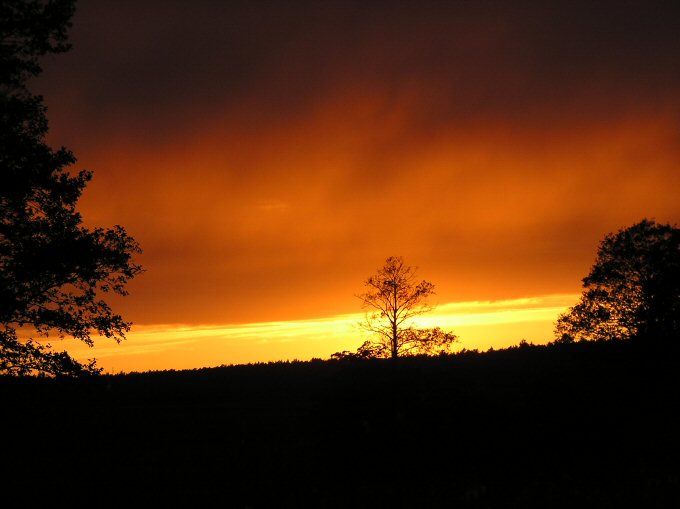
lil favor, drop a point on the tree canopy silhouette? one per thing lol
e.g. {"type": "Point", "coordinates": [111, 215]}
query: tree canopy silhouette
{"type": "Point", "coordinates": [53, 270]}
{"type": "Point", "coordinates": [392, 298]}
{"type": "Point", "coordinates": [632, 290]}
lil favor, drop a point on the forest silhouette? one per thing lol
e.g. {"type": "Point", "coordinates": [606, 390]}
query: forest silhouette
{"type": "Point", "coordinates": [583, 424]}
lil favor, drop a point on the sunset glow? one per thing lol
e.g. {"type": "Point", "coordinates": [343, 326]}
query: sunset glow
{"type": "Point", "coordinates": [479, 325]}
{"type": "Point", "coordinates": [269, 156]}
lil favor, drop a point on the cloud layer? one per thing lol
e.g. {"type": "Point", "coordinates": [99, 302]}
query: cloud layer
{"type": "Point", "coordinates": [269, 155]}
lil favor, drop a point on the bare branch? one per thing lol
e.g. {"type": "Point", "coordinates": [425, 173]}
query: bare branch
{"type": "Point", "coordinates": [396, 296]}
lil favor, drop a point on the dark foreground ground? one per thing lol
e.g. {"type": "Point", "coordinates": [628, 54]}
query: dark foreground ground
{"type": "Point", "coordinates": [571, 426]}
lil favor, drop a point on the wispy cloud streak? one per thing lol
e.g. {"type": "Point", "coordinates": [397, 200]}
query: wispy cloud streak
{"type": "Point", "coordinates": [480, 324]}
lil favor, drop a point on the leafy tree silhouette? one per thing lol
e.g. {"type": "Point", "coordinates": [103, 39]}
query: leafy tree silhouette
{"type": "Point", "coordinates": [53, 270]}
{"type": "Point", "coordinates": [632, 290]}
{"type": "Point", "coordinates": [393, 297]}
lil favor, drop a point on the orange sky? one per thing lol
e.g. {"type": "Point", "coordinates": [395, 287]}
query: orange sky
{"type": "Point", "coordinates": [268, 156]}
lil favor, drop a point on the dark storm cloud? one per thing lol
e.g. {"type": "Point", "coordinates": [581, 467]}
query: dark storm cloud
{"type": "Point", "coordinates": [172, 64]}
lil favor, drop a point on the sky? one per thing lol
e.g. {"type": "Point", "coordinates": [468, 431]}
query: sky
{"type": "Point", "coordinates": [269, 156]}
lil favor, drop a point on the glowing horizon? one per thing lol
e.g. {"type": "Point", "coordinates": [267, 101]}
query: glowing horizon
{"type": "Point", "coordinates": [479, 325]}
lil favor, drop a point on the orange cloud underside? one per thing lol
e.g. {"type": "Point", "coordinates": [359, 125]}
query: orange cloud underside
{"type": "Point", "coordinates": [286, 222]}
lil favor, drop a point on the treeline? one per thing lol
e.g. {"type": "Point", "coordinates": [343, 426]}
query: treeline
{"type": "Point", "coordinates": [585, 424]}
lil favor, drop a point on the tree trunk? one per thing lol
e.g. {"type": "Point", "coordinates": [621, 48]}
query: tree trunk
{"type": "Point", "coordinates": [395, 349]}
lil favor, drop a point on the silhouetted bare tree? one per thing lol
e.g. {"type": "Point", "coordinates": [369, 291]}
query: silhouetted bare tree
{"type": "Point", "coordinates": [633, 289]}
{"type": "Point", "coordinates": [393, 297]}
{"type": "Point", "coordinates": [53, 270]}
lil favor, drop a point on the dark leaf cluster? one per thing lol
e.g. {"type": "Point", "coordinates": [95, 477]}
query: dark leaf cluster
{"type": "Point", "coordinates": [54, 271]}
{"type": "Point", "coordinates": [633, 288]}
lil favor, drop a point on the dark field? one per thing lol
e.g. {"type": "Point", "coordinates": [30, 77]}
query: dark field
{"type": "Point", "coordinates": [573, 426]}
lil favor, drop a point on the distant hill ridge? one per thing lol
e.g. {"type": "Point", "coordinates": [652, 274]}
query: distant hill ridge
{"type": "Point", "coordinates": [562, 425]}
